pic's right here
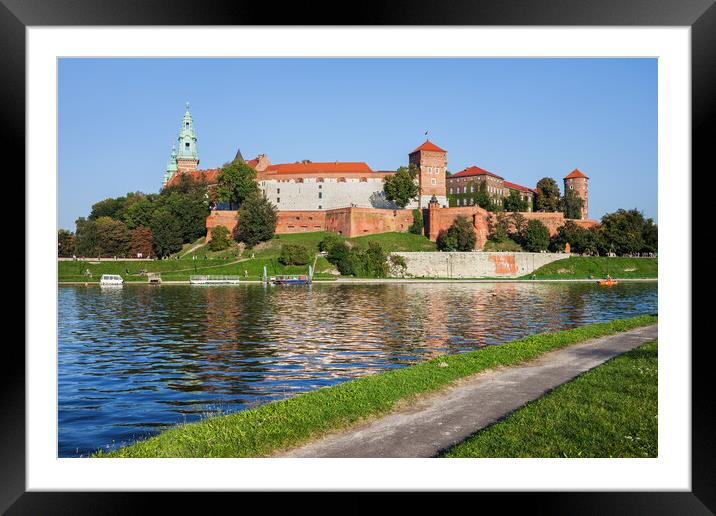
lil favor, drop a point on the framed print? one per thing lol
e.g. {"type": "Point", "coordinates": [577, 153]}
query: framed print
{"type": "Point", "coordinates": [422, 249]}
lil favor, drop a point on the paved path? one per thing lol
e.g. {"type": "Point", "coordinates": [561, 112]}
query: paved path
{"type": "Point", "coordinates": [449, 417]}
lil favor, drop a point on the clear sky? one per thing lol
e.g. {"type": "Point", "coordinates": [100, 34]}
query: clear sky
{"type": "Point", "coordinates": [523, 119]}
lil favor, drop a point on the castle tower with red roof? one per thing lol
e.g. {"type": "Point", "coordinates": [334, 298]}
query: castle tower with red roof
{"type": "Point", "coordinates": [431, 161]}
{"type": "Point", "coordinates": [579, 183]}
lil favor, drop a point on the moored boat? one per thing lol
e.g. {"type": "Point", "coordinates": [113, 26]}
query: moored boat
{"type": "Point", "coordinates": [111, 280]}
{"type": "Point", "coordinates": [214, 280]}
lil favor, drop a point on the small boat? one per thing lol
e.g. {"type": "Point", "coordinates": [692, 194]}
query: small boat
{"type": "Point", "coordinates": [607, 282]}
{"type": "Point", "coordinates": [111, 280]}
{"type": "Point", "coordinates": [214, 280]}
{"type": "Point", "coordinates": [299, 279]}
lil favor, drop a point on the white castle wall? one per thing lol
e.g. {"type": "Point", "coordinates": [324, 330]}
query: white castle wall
{"type": "Point", "coordinates": [290, 195]}
{"type": "Point", "coordinates": [475, 264]}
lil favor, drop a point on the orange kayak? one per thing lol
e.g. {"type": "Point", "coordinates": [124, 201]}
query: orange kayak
{"type": "Point", "coordinates": [607, 283]}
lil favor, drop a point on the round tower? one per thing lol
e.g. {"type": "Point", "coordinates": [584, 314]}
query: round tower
{"type": "Point", "coordinates": [579, 184]}
{"type": "Point", "coordinates": [431, 161]}
{"type": "Point", "coordinates": [188, 156]}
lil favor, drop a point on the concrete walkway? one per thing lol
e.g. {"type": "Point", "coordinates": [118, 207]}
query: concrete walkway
{"type": "Point", "coordinates": [450, 416]}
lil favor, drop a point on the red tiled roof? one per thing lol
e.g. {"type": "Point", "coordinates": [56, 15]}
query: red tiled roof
{"type": "Point", "coordinates": [429, 146]}
{"type": "Point", "coordinates": [575, 173]}
{"type": "Point", "coordinates": [473, 171]}
{"type": "Point", "coordinates": [515, 186]}
{"type": "Point", "coordinates": [252, 163]}
{"type": "Point", "coordinates": [318, 168]}
{"type": "Point", "coordinates": [210, 174]}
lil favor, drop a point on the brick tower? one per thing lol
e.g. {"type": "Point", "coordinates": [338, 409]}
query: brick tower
{"type": "Point", "coordinates": [579, 183]}
{"type": "Point", "coordinates": [188, 157]}
{"type": "Point", "coordinates": [431, 161]}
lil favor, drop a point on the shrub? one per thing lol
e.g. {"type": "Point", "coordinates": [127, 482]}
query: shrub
{"type": "Point", "coordinates": [397, 265]}
{"type": "Point", "coordinates": [536, 237]}
{"type": "Point", "coordinates": [460, 236]}
{"type": "Point", "coordinates": [417, 226]}
{"type": "Point", "coordinates": [339, 255]}
{"type": "Point", "coordinates": [294, 254]}
{"type": "Point", "coordinates": [328, 241]}
{"type": "Point", "coordinates": [220, 238]}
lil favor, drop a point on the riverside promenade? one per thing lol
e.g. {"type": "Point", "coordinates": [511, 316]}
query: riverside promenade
{"type": "Point", "coordinates": [448, 417]}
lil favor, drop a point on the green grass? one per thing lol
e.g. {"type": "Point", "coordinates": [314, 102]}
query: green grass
{"type": "Point", "coordinates": [610, 411]}
{"type": "Point", "coordinates": [597, 266]}
{"type": "Point", "coordinates": [220, 262]}
{"type": "Point", "coordinates": [293, 421]}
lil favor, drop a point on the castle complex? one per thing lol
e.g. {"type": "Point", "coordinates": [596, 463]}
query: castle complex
{"type": "Point", "coordinates": [348, 198]}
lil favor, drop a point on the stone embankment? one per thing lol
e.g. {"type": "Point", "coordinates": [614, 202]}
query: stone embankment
{"type": "Point", "coordinates": [475, 264]}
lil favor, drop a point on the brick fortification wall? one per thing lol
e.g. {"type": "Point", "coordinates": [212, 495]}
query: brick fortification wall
{"type": "Point", "coordinates": [476, 265]}
{"type": "Point", "coordinates": [352, 222]}
{"type": "Point", "coordinates": [349, 222]}
{"type": "Point", "coordinates": [440, 219]}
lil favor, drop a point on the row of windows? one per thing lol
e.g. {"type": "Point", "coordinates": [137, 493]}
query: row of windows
{"type": "Point", "coordinates": [436, 170]}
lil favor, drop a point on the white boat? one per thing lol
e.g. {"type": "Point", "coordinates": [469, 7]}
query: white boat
{"type": "Point", "coordinates": [111, 279]}
{"type": "Point", "coordinates": [214, 280]}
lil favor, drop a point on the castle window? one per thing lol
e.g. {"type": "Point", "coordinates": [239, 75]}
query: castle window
{"type": "Point", "coordinates": [320, 195]}
{"type": "Point", "coordinates": [434, 181]}
{"type": "Point", "coordinates": [278, 199]}
{"type": "Point", "coordinates": [320, 207]}
{"type": "Point", "coordinates": [278, 190]}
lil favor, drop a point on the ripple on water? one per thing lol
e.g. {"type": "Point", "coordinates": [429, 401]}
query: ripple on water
{"type": "Point", "coordinates": [132, 361]}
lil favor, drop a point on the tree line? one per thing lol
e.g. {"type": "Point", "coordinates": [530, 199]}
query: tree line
{"type": "Point", "coordinates": [158, 225]}
{"type": "Point", "coordinates": [623, 232]}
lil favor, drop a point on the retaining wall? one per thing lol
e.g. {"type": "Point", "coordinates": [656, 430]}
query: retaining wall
{"type": "Point", "coordinates": [476, 264]}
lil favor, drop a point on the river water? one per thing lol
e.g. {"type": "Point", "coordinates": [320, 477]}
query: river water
{"type": "Point", "coordinates": [133, 360]}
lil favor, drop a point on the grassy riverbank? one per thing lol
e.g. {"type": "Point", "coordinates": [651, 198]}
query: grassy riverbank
{"type": "Point", "coordinates": [581, 267]}
{"type": "Point", "coordinates": [232, 262]}
{"type": "Point", "coordinates": [610, 411]}
{"type": "Point", "coordinates": [286, 423]}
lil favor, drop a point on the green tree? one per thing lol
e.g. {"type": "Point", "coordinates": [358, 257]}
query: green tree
{"type": "Point", "coordinates": [650, 234]}
{"type": "Point", "coordinates": [572, 205]}
{"type": "Point", "coordinates": [625, 231]}
{"type": "Point", "coordinates": [418, 225]}
{"type": "Point", "coordinates": [235, 183]}
{"type": "Point", "coordinates": [328, 242]}
{"type": "Point", "coordinates": [114, 236]}
{"type": "Point", "coordinates": [375, 260]}
{"type": "Point", "coordinates": [112, 207]}
{"type": "Point", "coordinates": [294, 254]}
{"type": "Point", "coordinates": [548, 198]}
{"type": "Point", "coordinates": [189, 209]}
{"type": "Point", "coordinates": [339, 254]}
{"type": "Point", "coordinates": [460, 236]}
{"type": "Point", "coordinates": [519, 223]}
{"type": "Point", "coordinates": [514, 202]}
{"type": "Point", "coordinates": [257, 219]}
{"type": "Point", "coordinates": [401, 187]}
{"type": "Point", "coordinates": [87, 241]}
{"type": "Point", "coordinates": [65, 243]}
{"type": "Point", "coordinates": [536, 237]}
{"type": "Point", "coordinates": [138, 213]}
{"type": "Point", "coordinates": [166, 233]}
{"type": "Point", "coordinates": [571, 234]}
{"type": "Point", "coordinates": [142, 242]}
{"type": "Point", "coordinates": [220, 238]}
{"type": "Point", "coordinates": [499, 227]}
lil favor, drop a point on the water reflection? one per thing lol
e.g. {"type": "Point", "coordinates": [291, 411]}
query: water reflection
{"type": "Point", "coordinates": [136, 359]}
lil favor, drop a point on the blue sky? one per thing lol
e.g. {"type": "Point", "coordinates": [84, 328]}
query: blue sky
{"type": "Point", "coordinates": [523, 119]}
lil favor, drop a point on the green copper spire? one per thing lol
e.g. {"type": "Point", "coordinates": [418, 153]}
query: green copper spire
{"type": "Point", "coordinates": [171, 165]}
{"type": "Point", "coordinates": [187, 138]}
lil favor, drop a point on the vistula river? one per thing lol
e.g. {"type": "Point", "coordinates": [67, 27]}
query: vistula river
{"type": "Point", "coordinates": [134, 360]}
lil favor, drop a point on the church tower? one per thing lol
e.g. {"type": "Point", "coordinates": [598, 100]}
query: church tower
{"type": "Point", "coordinates": [171, 166]}
{"type": "Point", "coordinates": [188, 156]}
{"type": "Point", "coordinates": [431, 161]}
{"type": "Point", "coordinates": [579, 184]}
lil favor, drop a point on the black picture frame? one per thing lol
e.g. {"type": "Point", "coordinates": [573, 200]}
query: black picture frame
{"type": "Point", "coordinates": [700, 15]}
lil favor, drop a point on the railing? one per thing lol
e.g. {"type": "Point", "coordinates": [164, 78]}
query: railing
{"type": "Point", "coordinates": [214, 278]}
